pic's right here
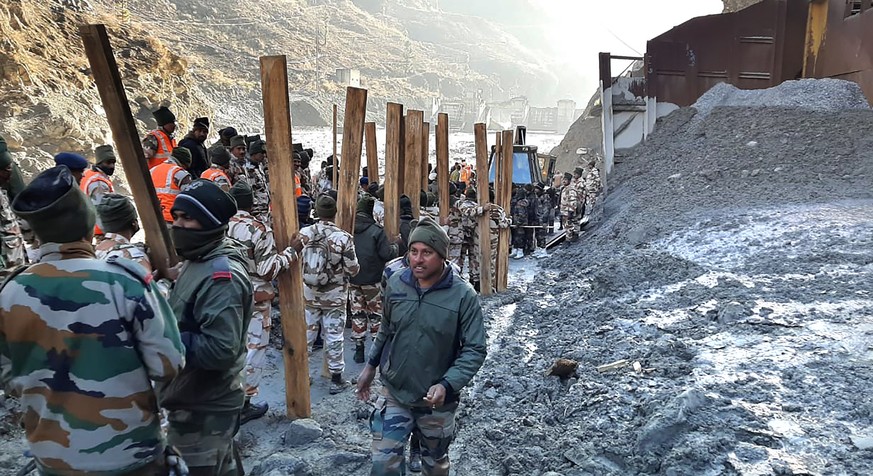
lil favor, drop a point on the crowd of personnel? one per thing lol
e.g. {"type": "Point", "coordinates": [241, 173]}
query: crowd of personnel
{"type": "Point", "coordinates": [122, 370]}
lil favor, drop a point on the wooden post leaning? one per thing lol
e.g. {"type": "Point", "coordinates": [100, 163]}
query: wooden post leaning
{"type": "Point", "coordinates": [372, 152]}
{"type": "Point", "coordinates": [412, 159]}
{"type": "Point", "coordinates": [480, 134]}
{"type": "Point", "coordinates": [392, 181]}
{"type": "Point", "coordinates": [353, 141]}
{"type": "Point", "coordinates": [442, 165]}
{"type": "Point", "coordinates": [505, 194]}
{"type": "Point", "coordinates": [277, 124]}
{"type": "Point", "coordinates": [127, 143]}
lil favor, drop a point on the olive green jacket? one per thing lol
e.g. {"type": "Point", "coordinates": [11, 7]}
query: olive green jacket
{"type": "Point", "coordinates": [428, 337]}
{"type": "Point", "coordinates": [212, 300]}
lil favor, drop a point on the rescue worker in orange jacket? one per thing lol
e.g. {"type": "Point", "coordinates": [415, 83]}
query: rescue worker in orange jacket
{"type": "Point", "coordinates": [96, 181]}
{"type": "Point", "coordinates": [158, 145]}
{"type": "Point", "coordinates": [218, 172]}
{"type": "Point", "coordinates": [170, 178]}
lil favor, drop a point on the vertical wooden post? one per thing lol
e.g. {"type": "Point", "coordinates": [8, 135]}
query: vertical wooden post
{"type": "Point", "coordinates": [393, 146]}
{"type": "Point", "coordinates": [442, 164]}
{"type": "Point", "coordinates": [480, 134]}
{"type": "Point", "coordinates": [277, 125]}
{"type": "Point", "coordinates": [401, 164]}
{"type": "Point", "coordinates": [372, 152]}
{"type": "Point", "coordinates": [425, 153]}
{"type": "Point", "coordinates": [335, 158]}
{"type": "Point", "coordinates": [127, 143]}
{"type": "Point", "coordinates": [353, 141]}
{"type": "Point", "coordinates": [412, 163]}
{"type": "Point", "coordinates": [505, 194]}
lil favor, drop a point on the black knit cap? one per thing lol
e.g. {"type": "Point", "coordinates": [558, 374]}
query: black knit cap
{"type": "Point", "coordinates": [325, 207]}
{"type": "Point", "coordinates": [164, 116]}
{"type": "Point", "coordinates": [207, 203]}
{"type": "Point", "coordinates": [55, 208]}
{"type": "Point", "coordinates": [243, 194]}
{"type": "Point", "coordinates": [116, 213]}
{"type": "Point", "coordinates": [201, 123]}
{"type": "Point", "coordinates": [405, 205]}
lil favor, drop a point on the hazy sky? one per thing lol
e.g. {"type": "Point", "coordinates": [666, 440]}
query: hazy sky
{"type": "Point", "coordinates": [580, 29]}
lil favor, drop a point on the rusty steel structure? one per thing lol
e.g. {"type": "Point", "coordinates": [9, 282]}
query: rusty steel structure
{"type": "Point", "coordinates": [754, 48]}
{"type": "Point", "coordinates": [839, 42]}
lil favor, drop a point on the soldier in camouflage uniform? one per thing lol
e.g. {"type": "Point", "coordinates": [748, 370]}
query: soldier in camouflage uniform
{"type": "Point", "coordinates": [119, 221]}
{"type": "Point", "coordinates": [256, 176]}
{"type": "Point", "coordinates": [569, 208]}
{"type": "Point", "coordinates": [82, 340]}
{"type": "Point", "coordinates": [373, 249]}
{"type": "Point", "coordinates": [326, 285]}
{"type": "Point", "coordinates": [470, 211]}
{"type": "Point", "coordinates": [519, 206]}
{"type": "Point", "coordinates": [264, 266]}
{"type": "Point", "coordinates": [13, 252]}
{"type": "Point", "coordinates": [237, 166]}
{"type": "Point", "coordinates": [593, 188]}
{"type": "Point", "coordinates": [212, 300]}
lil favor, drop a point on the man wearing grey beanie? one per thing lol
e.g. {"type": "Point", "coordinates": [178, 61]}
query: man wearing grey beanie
{"type": "Point", "coordinates": [430, 345]}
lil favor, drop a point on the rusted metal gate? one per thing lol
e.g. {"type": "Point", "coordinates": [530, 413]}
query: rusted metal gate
{"type": "Point", "coordinates": [839, 42]}
{"type": "Point", "coordinates": [758, 47]}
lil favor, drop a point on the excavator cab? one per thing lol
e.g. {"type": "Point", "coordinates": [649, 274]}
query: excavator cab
{"type": "Point", "coordinates": [528, 167]}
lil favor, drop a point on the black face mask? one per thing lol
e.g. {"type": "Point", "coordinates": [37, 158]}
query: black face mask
{"type": "Point", "coordinates": [106, 170]}
{"type": "Point", "coordinates": [195, 244]}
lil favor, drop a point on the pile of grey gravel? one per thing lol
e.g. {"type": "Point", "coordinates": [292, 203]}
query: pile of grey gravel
{"type": "Point", "coordinates": [811, 94]}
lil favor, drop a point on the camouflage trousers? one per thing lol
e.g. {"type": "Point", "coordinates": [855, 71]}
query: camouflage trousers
{"type": "Point", "coordinates": [519, 236]}
{"type": "Point", "coordinates": [470, 251]}
{"type": "Point", "coordinates": [205, 441]}
{"type": "Point", "coordinates": [257, 340]}
{"type": "Point", "coordinates": [571, 226]}
{"type": "Point", "coordinates": [391, 425]}
{"type": "Point", "coordinates": [475, 273]}
{"type": "Point", "coordinates": [333, 321]}
{"type": "Point", "coordinates": [455, 253]}
{"type": "Point", "coordinates": [366, 307]}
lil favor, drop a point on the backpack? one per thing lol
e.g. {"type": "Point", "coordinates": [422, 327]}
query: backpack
{"type": "Point", "coordinates": [315, 259]}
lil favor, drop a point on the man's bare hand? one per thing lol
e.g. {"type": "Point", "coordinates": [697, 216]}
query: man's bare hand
{"type": "Point", "coordinates": [296, 242]}
{"type": "Point", "coordinates": [365, 379]}
{"type": "Point", "coordinates": [436, 395]}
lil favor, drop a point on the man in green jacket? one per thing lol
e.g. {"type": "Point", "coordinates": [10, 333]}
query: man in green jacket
{"type": "Point", "coordinates": [430, 344]}
{"type": "Point", "coordinates": [212, 300]}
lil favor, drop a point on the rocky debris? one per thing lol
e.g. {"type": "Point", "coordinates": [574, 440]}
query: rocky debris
{"type": "Point", "coordinates": [563, 368]}
{"type": "Point", "coordinates": [747, 294]}
{"type": "Point", "coordinates": [302, 432]}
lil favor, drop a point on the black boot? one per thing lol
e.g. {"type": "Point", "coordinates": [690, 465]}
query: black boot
{"type": "Point", "coordinates": [337, 384]}
{"type": "Point", "coordinates": [359, 351]}
{"type": "Point", "coordinates": [252, 411]}
{"type": "Point", "coordinates": [414, 465]}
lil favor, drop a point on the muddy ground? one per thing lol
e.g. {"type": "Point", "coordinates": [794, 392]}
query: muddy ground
{"type": "Point", "coordinates": [733, 264]}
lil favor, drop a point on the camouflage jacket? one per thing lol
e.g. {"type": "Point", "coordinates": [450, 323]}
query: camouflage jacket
{"type": "Point", "coordinates": [520, 211]}
{"type": "Point", "coordinates": [593, 185]}
{"type": "Point", "coordinates": [13, 251]}
{"type": "Point", "coordinates": [343, 265]}
{"type": "Point", "coordinates": [454, 229]}
{"type": "Point", "coordinates": [257, 178]}
{"type": "Point", "coordinates": [260, 245]}
{"type": "Point", "coordinates": [546, 208]}
{"type": "Point", "coordinates": [114, 244]}
{"type": "Point", "coordinates": [569, 200]}
{"type": "Point", "coordinates": [236, 170]}
{"type": "Point", "coordinates": [498, 221]}
{"type": "Point", "coordinates": [379, 212]}
{"type": "Point", "coordinates": [470, 212]}
{"type": "Point", "coordinates": [579, 185]}
{"type": "Point", "coordinates": [81, 340]}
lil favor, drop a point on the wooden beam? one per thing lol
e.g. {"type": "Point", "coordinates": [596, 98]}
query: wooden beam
{"type": "Point", "coordinates": [505, 194]}
{"type": "Point", "coordinates": [412, 162]}
{"type": "Point", "coordinates": [353, 141]}
{"type": "Point", "coordinates": [372, 152]}
{"type": "Point", "coordinates": [442, 165]}
{"type": "Point", "coordinates": [480, 134]}
{"type": "Point", "coordinates": [393, 146]}
{"type": "Point", "coordinates": [425, 153]}
{"type": "Point", "coordinates": [127, 142]}
{"type": "Point", "coordinates": [335, 158]}
{"type": "Point", "coordinates": [401, 163]}
{"type": "Point", "coordinates": [277, 125]}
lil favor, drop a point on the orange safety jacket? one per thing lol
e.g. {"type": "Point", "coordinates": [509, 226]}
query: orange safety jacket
{"type": "Point", "coordinates": [166, 144]}
{"type": "Point", "coordinates": [213, 174]}
{"type": "Point", "coordinates": [89, 177]}
{"type": "Point", "coordinates": [165, 187]}
{"type": "Point", "coordinates": [465, 174]}
{"type": "Point", "coordinates": [297, 190]}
